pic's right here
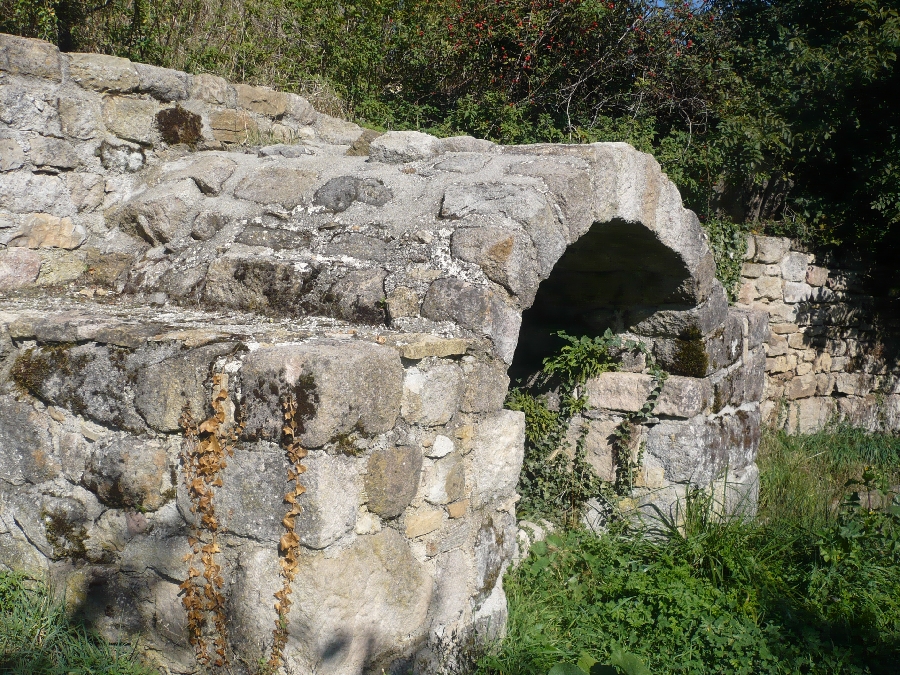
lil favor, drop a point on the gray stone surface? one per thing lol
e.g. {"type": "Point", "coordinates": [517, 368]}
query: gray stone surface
{"type": "Point", "coordinates": [431, 396]}
{"type": "Point", "coordinates": [476, 308]}
{"type": "Point", "coordinates": [392, 478]}
{"type": "Point", "coordinates": [396, 147]}
{"type": "Point", "coordinates": [277, 185]}
{"type": "Point", "coordinates": [497, 453]}
{"type": "Point", "coordinates": [505, 257]}
{"type": "Point", "coordinates": [338, 388]}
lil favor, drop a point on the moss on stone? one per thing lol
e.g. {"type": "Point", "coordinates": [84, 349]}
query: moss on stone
{"type": "Point", "coordinates": [177, 125]}
{"type": "Point", "coordinates": [691, 358]}
{"type": "Point", "coordinates": [66, 538]}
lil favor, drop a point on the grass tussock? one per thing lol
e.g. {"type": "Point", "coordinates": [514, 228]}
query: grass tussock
{"type": "Point", "coordinates": [37, 637]}
{"type": "Point", "coordinates": [812, 586]}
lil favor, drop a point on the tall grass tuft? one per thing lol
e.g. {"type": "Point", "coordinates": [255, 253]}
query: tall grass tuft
{"type": "Point", "coordinates": [38, 638]}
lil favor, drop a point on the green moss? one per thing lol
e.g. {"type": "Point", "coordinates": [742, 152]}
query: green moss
{"type": "Point", "coordinates": [66, 538]}
{"type": "Point", "coordinates": [35, 365]}
{"type": "Point", "coordinates": [177, 125]}
{"type": "Point", "coordinates": [691, 358]}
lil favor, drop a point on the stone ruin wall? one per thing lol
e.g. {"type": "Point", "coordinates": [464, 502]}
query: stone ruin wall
{"type": "Point", "coordinates": [831, 355]}
{"type": "Point", "coordinates": [169, 240]}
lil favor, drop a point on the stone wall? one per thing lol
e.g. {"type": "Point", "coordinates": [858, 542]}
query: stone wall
{"type": "Point", "coordinates": [831, 355]}
{"type": "Point", "coordinates": [169, 240]}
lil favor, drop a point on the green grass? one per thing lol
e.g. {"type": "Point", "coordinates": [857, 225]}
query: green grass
{"type": "Point", "coordinates": [38, 638]}
{"type": "Point", "coordinates": [813, 586]}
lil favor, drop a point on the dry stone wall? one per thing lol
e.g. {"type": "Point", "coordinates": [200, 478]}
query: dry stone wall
{"type": "Point", "coordinates": [170, 240]}
{"type": "Point", "coordinates": [831, 354]}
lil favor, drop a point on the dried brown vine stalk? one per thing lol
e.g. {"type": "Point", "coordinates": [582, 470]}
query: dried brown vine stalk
{"type": "Point", "coordinates": [204, 450]}
{"type": "Point", "coordinates": [290, 542]}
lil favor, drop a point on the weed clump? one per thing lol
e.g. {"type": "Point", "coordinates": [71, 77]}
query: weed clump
{"type": "Point", "coordinates": [38, 637]}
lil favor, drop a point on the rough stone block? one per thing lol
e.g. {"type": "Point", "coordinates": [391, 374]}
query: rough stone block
{"type": "Point", "coordinates": [445, 480]}
{"type": "Point", "coordinates": [777, 346]}
{"type": "Point", "coordinates": [769, 288]}
{"type": "Point", "coordinates": [25, 56]}
{"type": "Point", "coordinates": [771, 249]}
{"type": "Point", "coordinates": [753, 270]}
{"type": "Point", "coordinates": [705, 318]}
{"type": "Point", "coordinates": [392, 478]}
{"type": "Point", "coordinates": [133, 119]}
{"type": "Point", "coordinates": [53, 153]}
{"type": "Point", "coordinates": [41, 230]}
{"type": "Point", "coordinates": [127, 472]}
{"type": "Point", "coordinates": [232, 126]}
{"type": "Point", "coordinates": [486, 386]}
{"type": "Point", "coordinates": [701, 449]}
{"type": "Point", "coordinates": [161, 214]}
{"type": "Point", "coordinates": [18, 268]}
{"type": "Point", "coordinates": [25, 445]}
{"type": "Point", "coordinates": [209, 173]}
{"type": "Point", "coordinates": [103, 73]}
{"type": "Point", "coordinates": [619, 391]}
{"type": "Point", "coordinates": [497, 451]}
{"type": "Point", "coordinates": [797, 292]}
{"type": "Point", "coordinates": [339, 388]}
{"type": "Point", "coordinates": [12, 156]}
{"type": "Point", "coordinates": [162, 83]}
{"type": "Point", "coordinates": [277, 185]}
{"type": "Point", "coordinates": [164, 390]}
{"type": "Point", "coordinates": [431, 396]}
{"type": "Point", "coordinates": [507, 257]}
{"type": "Point", "coordinates": [261, 100]}
{"type": "Point", "coordinates": [397, 147]}
{"type": "Point", "coordinates": [477, 308]}
{"type": "Point", "coordinates": [793, 267]}
{"type": "Point", "coordinates": [816, 276]}
{"type": "Point", "coordinates": [417, 346]}
{"type": "Point", "coordinates": [423, 521]}
{"type": "Point", "coordinates": [801, 387]}
{"type": "Point", "coordinates": [809, 415]}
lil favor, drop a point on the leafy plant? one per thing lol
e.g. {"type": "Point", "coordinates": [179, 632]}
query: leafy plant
{"type": "Point", "coordinates": [557, 479]}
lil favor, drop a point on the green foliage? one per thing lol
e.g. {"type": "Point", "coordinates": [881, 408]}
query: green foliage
{"type": "Point", "coordinates": [780, 595]}
{"type": "Point", "coordinates": [775, 114]}
{"type": "Point", "coordinates": [728, 241]}
{"type": "Point", "coordinates": [38, 638]}
{"type": "Point", "coordinates": [556, 479]}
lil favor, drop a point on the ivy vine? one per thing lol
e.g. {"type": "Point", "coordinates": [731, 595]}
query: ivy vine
{"type": "Point", "coordinates": [554, 482]}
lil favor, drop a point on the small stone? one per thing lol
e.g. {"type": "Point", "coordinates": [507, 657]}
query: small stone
{"type": "Point", "coordinates": [441, 447]}
{"type": "Point", "coordinates": [336, 131]}
{"type": "Point", "coordinates": [771, 249]}
{"type": "Point", "coordinates": [367, 523]}
{"type": "Point", "coordinates": [619, 391]}
{"type": "Point", "coordinates": [445, 480]}
{"type": "Point", "coordinates": [91, 432]}
{"type": "Point", "coordinates": [458, 509]}
{"type": "Point", "coordinates": [750, 253]}
{"type": "Point", "coordinates": [56, 414]}
{"type": "Point", "coordinates": [392, 478]}
{"type": "Point", "coordinates": [397, 147]}
{"type": "Point", "coordinates": [103, 73]}
{"type": "Point", "coordinates": [422, 522]}
{"type": "Point", "coordinates": [18, 268]}
{"type": "Point", "coordinates": [793, 267]}
{"type": "Point", "coordinates": [232, 126]}
{"type": "Point", "coordinates": [816, 276]}
{"type": "Point", "coordinates": [12, 156]}
{"type": "Point", "coordinates": [497, 452]}
{"type": "Point", "coordinates": [285, 150]}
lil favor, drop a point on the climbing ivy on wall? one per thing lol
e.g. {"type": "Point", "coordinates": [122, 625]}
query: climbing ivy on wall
{"type": "Point", "coordinates": [557, 479]}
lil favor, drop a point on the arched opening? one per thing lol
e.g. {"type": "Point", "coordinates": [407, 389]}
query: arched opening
{"type": "Point", "coordinates": [614, 276]}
